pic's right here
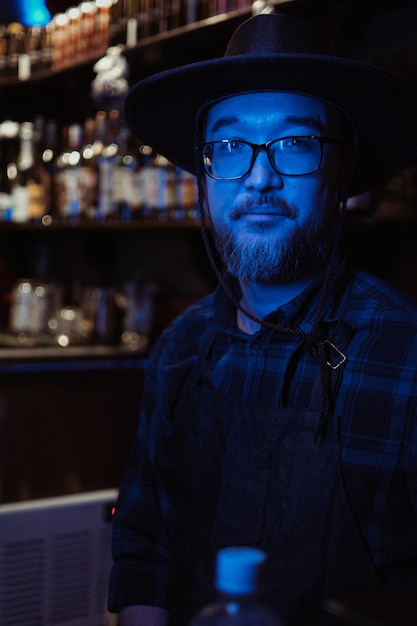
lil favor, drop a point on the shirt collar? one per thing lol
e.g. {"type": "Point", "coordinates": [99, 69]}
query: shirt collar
{"type": "Point", "coordinates": [297, 313]}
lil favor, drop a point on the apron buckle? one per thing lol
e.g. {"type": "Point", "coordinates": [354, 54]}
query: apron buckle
{"type": "Point", "coordinates": [335, 360]}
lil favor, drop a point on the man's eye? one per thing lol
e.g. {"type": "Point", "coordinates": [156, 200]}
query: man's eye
{"type": "Point", "coordinates": [231, 146]}
{"type": "Point", "coordinates": [294, 142]}
{"type": "Point", "coordinates": [297, 142]}
{"type": "Point", "coordinates": [225, 149]}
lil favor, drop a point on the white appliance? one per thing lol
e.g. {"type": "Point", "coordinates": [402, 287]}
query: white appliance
{"type": "Point", "coordinates": [55, 559]}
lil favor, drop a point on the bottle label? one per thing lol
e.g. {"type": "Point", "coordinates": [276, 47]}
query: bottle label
{"type": "Point", "coordinates": [6, 207]}
{"type": "Point", "coordinates": [150, 183]}
{"type": "Point", "coordinates": [123, 190]}
{"type": "Point", "coordinates": [36, 200]}
{"type": "Point", "coordinates": [67, 189]}
{"type": "Point", "coordinates": [20, 203]}
{"type": "Point", "coordinates": [187, 190]}
{"type": "Point", "coordinates": [169, 190]}
{"type": "Point", "coordinates": [105, 204]}
{"type": "Point", "coordinates": [87, 189]}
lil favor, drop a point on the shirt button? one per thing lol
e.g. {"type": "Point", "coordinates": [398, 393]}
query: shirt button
{"type": "Point", "coordinates": [256, 344]}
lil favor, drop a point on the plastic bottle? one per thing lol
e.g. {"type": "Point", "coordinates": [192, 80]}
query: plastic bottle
{"type": "Point", "coordinates": [237, 583]}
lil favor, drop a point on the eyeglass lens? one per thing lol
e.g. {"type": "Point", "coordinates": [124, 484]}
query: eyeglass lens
{"type": "Point", "coordinates": [289, 156]}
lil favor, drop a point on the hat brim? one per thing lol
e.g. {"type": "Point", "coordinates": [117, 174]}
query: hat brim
{"type": "Point", "coordinates": [161, 110]}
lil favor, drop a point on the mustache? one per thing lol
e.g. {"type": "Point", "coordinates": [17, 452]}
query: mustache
{"type": "Point", "coordinates": [269, 203]}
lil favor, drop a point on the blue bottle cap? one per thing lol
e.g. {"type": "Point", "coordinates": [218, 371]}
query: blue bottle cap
{"type": "Point", "coordinates": [237, 569]}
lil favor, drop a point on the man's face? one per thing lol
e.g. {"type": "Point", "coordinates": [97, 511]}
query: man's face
{"type": "Point", "coordinates": [269, 226]}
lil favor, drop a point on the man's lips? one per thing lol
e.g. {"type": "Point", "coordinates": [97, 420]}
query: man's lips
{"type": "Point", "coordinates": [263, 212]}
{"type": "Point", "coordinates": [276, 207]}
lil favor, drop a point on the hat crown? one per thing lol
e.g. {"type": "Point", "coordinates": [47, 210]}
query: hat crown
{"type": "Point", "coordinates": [267, 34]}
{"type": "Point", "coordinates": [280, 52]}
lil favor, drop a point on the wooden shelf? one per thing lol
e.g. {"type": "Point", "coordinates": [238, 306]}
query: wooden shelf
{"type": "Point", "coordinates": [107, 226]}
{"type": "Point", "coordinates": [195, 38]}
{"type": "Point", "coordinates": [352, 221]}
{"type": "Point", "coordinates": [54, 358]}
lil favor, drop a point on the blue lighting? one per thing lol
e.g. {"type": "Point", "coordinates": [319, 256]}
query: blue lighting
{"type": "Point", "coordinates": [35, 13]}
{"type": "Point", "coordinates": [27, 12]}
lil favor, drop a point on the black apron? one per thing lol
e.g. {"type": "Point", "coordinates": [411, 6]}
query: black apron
{"type": "Point", "coordinates": [252, 475]}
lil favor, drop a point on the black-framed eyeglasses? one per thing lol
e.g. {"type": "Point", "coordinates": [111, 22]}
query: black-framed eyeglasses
{"type": "Point", "coordinates": [229, 159]}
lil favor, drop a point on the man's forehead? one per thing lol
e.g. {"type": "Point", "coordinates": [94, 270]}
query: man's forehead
{"type": "Point", "coordinates": [295, 107]}
{"type": "Point", "coordinates": [280, 97]}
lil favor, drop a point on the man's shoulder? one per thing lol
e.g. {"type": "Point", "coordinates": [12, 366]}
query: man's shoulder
{"type": "Point", "coordinates": [373, 296]}
{"type": "Point", "coordinates": [182, 338]}
{"type": "Point", "coordinates": [194, 318]}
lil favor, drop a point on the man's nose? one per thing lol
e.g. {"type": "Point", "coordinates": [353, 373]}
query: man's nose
{"type": "Point", "coordinates": [262, 175]}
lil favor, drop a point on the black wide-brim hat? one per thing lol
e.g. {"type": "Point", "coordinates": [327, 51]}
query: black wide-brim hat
{"type": "Point", "coordinates": [280, 52]}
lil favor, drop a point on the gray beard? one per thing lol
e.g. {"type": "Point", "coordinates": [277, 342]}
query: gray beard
{"type": "Point", "coordinates": [265, 260]}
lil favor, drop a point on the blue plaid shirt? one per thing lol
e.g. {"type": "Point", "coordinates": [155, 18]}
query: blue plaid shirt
{"type": "Point", "coordinates": [376, 403]}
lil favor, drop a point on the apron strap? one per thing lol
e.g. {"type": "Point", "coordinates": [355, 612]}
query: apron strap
{"type": "Point", "coordinates": [333, 337]}
{"type": "Point", "coordinates": [328, 344]}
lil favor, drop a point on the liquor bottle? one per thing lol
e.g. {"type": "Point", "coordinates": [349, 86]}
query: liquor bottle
{"type": "Point", "coordinates": [151, 17]}
{"type": "Point", "coordinates": [102, 25]}
{"type": "Point", "coordinates": [177, 14]}
{"type": "Point", "coordinates": [46, 46]}
{"type": "Point", "coordinates": [123, 177]}
{"type": "Point", "coordinates": [88, 171]}
{"type": "Point", "coordinates": [87, 28]}
{"type": "Point", "coordinates": [33, 49]}
{"type": "Point", "coordinates": [60, 56]}
{"type": "Point", "coordinates": [159, 188]}
{"type": "Point", "coordinates": [187, 195]}
{"type": "Point", "coordinates": [28, 192]}
{"type": "Point", "coordinates": [9, 142]}
{"type": "Point", "coordinates": [40, 127]}
{"type": "Point", "coordinates": [136, 149]}
{"type": "Point", "coordinates": [118, 20]}
{"type": "Point", "coordinates": [68, 172]}
{"type": "Point", "coordinates": [157, 185]}
{"type": "Point", "coordinates": [3, 51]}
{"type": "Point", "coordinates": [106, 208]}
{"type": "Point", "coordinates": [73, 14]}
{"type": "Point", "coordinates": [167, 191]}
{"type": "Point", "coordinates": [237, 581]}
{"type": "Point", "coordinates": [142, 16]}
{"type": "Point", "coordinates": [15, 47]}
{"type": "Point", "coordinates": [94, 137]}
{"type": "Point", "coordinates": [59, 166]}
{"type": "Point", "coordinates": [49, 153]}
{"type": "Point", "coordinates": [149, 182]}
